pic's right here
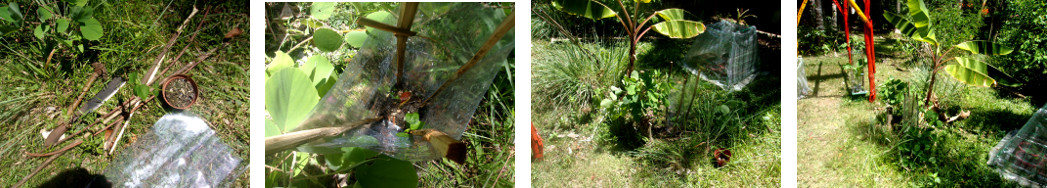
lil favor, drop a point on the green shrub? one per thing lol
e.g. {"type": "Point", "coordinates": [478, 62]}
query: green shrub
{"type": "Point", "coordinates": [1025, 30]}
{"type": "Point", "coordinates": [813, 41]}
{"type": "Point", "coordinates": [633, 109]}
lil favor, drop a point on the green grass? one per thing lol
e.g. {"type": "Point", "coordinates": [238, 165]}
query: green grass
{"type": "Point", "coordinates": [134, 35]}
{"type": "Point", "coordinates": [576, 151]}
{"type": "Point", "coordinates": [852, 146]}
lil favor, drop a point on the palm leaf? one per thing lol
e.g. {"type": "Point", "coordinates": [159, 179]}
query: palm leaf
{"type": "Point", "coordinates": [970, 71]}
{"type": "Point", "coordinates": [584, 8]}
{"type": "Point", "coordinates": [679, 28]}
{"type": "Point", "coordinates": [984, 47]}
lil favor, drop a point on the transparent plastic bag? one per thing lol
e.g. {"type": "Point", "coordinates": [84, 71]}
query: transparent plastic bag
{"type": "Point", "coordinates": [725, 55]}
{"type": "Point", "coordinates": [1022, 156]}
{"type": "Point", "coordinates": [180, 150]}
{"type": "Point", "coordinates": [801, 80]}
{"type": "Point", "coordinates": [451, 34]}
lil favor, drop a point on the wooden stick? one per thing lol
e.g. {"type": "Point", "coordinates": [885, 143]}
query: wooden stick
{"type": "Point", "coordinates": [500, 31]}
{"type": "Point", "coordinates": [37, 170]}
{"type": "Point", "coordinates": [384, 27]}
{"type": "Point", "coordinates": [292, 140]}
{"type": "Point", "coordinates": [56, 134]}
{"type": "Point", "coordinates": [151, 75]}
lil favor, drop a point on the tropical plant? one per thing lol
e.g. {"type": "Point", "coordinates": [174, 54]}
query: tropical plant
{"type": "Point", "coordinates": [641, 98]}
{"type": "Point", "coordinates": [673, 24]}
{"type": "Point", "coordinates": [969, 70]}
{"type": "Point", "coordinates": [294, 88]}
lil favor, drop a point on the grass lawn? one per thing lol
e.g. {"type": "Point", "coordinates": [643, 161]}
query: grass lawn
{"type": "Point", "coordinates": [134, 35]}
{"type": "Point", "coordinates": [843, 140]}
{"type": "Point", "coordinates": [576, 156]}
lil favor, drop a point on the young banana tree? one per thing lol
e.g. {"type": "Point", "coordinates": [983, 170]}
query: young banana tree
{"type": "Point", "coordinates": [673, 24]}
{"type": "Point", "coordinates": [968, 70]}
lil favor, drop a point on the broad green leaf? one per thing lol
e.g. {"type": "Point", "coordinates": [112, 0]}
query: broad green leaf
{"type": "Point", "coordinates": [301, 160]}
{"type": "Point", "coordinates": [907, 28]}
{"type": "Point", "coordinates": [322, 10]}
{"type": "Point", "coordinates": [584, 8]}
{"type": "Point", "coordinates": [5, 14]}
{"type": "Point", "coordinates": [271, 129]}
{"type": "Point", "coordinates": [44, 14]}
{"type": "Point", "coordinates": [280, 61]}
{"type": "Point", "coordinates": [672, 14]}
{"type": "Point", "coordinates": [412, 119]}
{"type": "Point", "coordinates": [356, 38]}
{"type": "Point", "coordinates": [970, 71]}
{"type": "Point", "coordinates": [387, 172]}
{"type": "Point", "coordinates": [317, 68]}
{"type": "Point", "coordinates": [680, 29]}
{"type": "Point", "coordinates": [91, 30]}
{"type": "Point", "coordinates": [643, 1]}
{"type": "Point", "coordinates": [142, 91]}
{"type": "Point", "coordinates": [984, 47]}
{"type": "Point", "coordinates": [289, 97]}
{"type": "Point", "coordinates": [380, 16]}
{"type": "Point", "coordinates": [87, 13]}
{"type": "Point", "coordinates": [326, 85]}
{"type": "Point", "coordinates": [38, 32]}
{"type": "Point", "coordinates": [327, 40]}
{"type": "Point", "coordinates": [63, 24]}
{"type": "Point", "coordinates": [352, 156]}
{"type": "Point", "coordinates": [14, 14]}
{"type": "Point", "coordinates": [920, 16]}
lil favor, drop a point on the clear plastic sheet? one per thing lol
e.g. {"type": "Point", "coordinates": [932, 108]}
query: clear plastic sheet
{"type": "Point", "coordinates": [181, 150]}
{"type": "Point", "coordinates": [725, 55]}
{"type": "Point", "coordinates": [451, 34]}
{"type": "Point", "coordinates": [801, 80]}
{"type": "Point", "coordinates": [1022, 156]}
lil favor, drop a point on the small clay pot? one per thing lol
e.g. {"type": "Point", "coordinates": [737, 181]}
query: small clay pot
{"type": "Point", "coordinates": [177, 97]}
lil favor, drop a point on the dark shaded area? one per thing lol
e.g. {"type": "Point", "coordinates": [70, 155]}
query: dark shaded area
{"type": "Point", "coordinates": [77, 177]}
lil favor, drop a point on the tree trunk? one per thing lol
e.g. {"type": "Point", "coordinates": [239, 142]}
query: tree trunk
{"type": "Point", "coordinates": [818, 14]}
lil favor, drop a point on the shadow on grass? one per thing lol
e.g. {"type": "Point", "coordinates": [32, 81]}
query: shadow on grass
{"type": "Point", "coordinates": [77, 177]}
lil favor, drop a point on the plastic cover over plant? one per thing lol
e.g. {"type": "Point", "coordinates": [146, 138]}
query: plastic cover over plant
{"type": "Point", "coordinates": [725, 55]}
{"type": "Point", "coordinates": [449, 34]}
{"type": "Point", "coordinates": [801, 80]}
{"type": "Point", "coordinates": [1022, 156]}
{"type": "Point", "coordinates": [180, 151]}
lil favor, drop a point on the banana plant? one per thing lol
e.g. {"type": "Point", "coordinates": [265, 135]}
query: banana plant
{"type": "Point", "coordinates": [968, 70]}
{"type": "Point", "coordinates": [673, 24]}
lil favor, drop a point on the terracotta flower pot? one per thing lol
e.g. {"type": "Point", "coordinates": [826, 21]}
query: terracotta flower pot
{"type": "Point", "coordinates": [176, 94]}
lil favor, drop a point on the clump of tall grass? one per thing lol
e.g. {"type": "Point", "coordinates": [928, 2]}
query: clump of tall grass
{"type": "Point", "coordinates": [566, 76]}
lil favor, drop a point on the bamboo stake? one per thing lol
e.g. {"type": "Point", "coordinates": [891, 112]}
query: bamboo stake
{"type": "Point", "coordinates": [406, 18]}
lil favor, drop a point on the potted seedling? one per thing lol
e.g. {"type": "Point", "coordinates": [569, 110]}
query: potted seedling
{"type": "Point", "coordinates": [179, 91]}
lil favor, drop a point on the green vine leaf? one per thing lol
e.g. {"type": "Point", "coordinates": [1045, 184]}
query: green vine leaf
{"type": "Point", "coordinates": [91, 29]}
{"type": "Point", "coordinates": [322, 10]}
{"type": "Point", "coordinates": [280, 60]}
{"type": "Point", "coordinates": [327, 40]}
{"type": "Point", "coordinates": [318, 68]}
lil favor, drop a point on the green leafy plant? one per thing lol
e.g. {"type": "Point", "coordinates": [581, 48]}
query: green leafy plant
{"type": "Point", "coordinates": [894, 91]}
{"type": "Point", "coordinates": [641, 97]}
{"type": "Point", "coordinates": [969, 70]}
{"type": "Point", "coordinates": [293, 90]}
{"type": "Point", "coordinates": [673, 22]}
{"type": "Point", "coordinates": [68, 24]}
